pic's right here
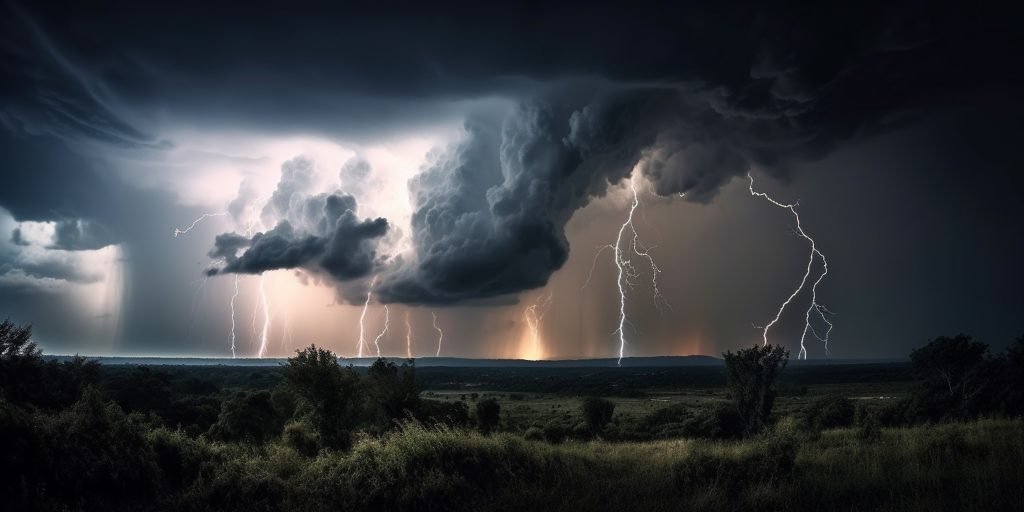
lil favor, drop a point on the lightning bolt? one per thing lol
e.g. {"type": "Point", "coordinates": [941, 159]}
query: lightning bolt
{"type": "Point", "coordinates": [387, 320]}
{"type": "Point", "coordinates": [178, 232]}
{"type": "Point", "coordinates": [232, 303]}
{"type": "Point", "coordinates": [626, 271]}
{"type": "Point", "coordinates": [814, 309]}
{"type": "Point", "coordinates": [533, 315]}
{"type": "Point", "coordinates": [440, 333]}
{"type": "Point", "coordinates": [362, 317]}
{"type": "Point", "coordinates": [266, 320]}
{"type": "Point", "coordinates": [196, 222]}
{"type": "Point", "coordinates": [408, 337]}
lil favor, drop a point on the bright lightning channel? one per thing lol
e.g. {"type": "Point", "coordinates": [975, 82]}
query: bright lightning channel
{"type": "Point", "coordinates": [362, 317]}
{"type": "Point", "coordinates": [232, 303]}
{"type": "Point", "coordinates": [266, 320]}
{"type": "Point", "coordinates": [178, 232]}
{"type": "Point", "coordinates": [387, 320]}
{"type": "Point", "coordinates": [196, 222]}
{"type": "Point", "coordinates": [408, 337]}
{"type": "Point", "coordinates": [814, 309]}
{"type": "Point", "coordinates": [626, 271]}
{"type": "Point", "coordinates": [440, 333]}
{"type": "Point", "coordinates": [533, 315]}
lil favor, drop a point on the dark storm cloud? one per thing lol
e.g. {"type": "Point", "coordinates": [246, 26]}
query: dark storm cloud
{"type": "Point", "coordinates": [355, 68]}
{"type": "Point", "coordinates": [46, 92]}
{"type": "Point", "coordinates": [80, 235]}
{"type": "Point", "coordinates": [695, 92]}
{"type": "Point", "coordinates": [332, 240]}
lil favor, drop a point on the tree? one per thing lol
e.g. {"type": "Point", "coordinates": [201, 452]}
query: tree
{"type": "Point", "coordinates": [830, 411]}
{"type": "Point", "coordinates": [249, 417]}
{"type": "Point", "coordinates": [751, 375]}
{"type": "Point", "coordinates": [325, 393]}
{"type": "Point", "coordinates": [1012, 386]}
{"type": "Point", "coordinates": [488, 413]}
{"type": "Point", "coordinates": [597, 412]}
{"type": "Point", "coordinates": [16, 342]}
{"type": "Point", "coordinates": [953, 374]}
{"type": "Point", "coordinates": [392, 391]}
{"type": "Point", "coordinates": [21, 364]}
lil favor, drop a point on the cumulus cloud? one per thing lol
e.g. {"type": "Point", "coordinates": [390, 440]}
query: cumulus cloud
{"type": "Point", "coordinates": [80, 235]}
{"type": "Point", "coordinates": [47, 254]}
{"type": "Point", "coordinates": [321, 232]}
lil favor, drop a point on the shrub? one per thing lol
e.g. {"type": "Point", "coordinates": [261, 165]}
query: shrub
{"type": "Point", "coordinates": [597, 412]}
{"type": "Point", "coordinates": [325, 393]}
{"type": "Point", "coordinates": [301, 438]}
{"type": "Point", "coordinates": [738, 467]}
{"type": "Point", "coordinates": [555, 432]}
{"type": "Point", "coordinates": [751, 375]}
{"type": "Point", "coordinates": [435, 412]}
{"type": "Point", "coordinates": [533, 434]}
{"type": "Point", "coordinates": [670, 417]}
{"type": "Point", "coordinates": [488, 414]}
{"type": "Point", "coordinates": [249, 417]}
{"type": "Point", "coordinates": [719, 422]}
{"type": "Point", "coordinates": [832, 411]}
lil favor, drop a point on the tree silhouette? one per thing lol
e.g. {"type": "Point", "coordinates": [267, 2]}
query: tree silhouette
{"type": "Point", "coordinates": [488, 413]}
{"type": "Point", "coordinates": [597, 412]}
{"type": "Point", "coordinates": [751, 375]}
{"type": "Point", "coordinates": [325, 392]}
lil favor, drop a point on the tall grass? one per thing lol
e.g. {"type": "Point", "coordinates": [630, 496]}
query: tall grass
{"type": "Point", "coordinates": [977, 465]}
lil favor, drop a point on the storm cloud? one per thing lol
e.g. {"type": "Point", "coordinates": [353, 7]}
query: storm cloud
{"type": "Point", "coordinates": [318, 232]}
{"type": "Point", "coordinates": [116, 128]}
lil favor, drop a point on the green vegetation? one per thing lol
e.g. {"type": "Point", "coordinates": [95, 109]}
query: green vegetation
{"type": "Point", "coordinates": [313, 435]}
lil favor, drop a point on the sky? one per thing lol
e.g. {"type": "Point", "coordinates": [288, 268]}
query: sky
{"type": "Point", "coordinates": [516, 180]}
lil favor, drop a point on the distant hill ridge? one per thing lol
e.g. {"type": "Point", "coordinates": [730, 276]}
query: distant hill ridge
{"type": "Point", "coordinates": [459, 362]}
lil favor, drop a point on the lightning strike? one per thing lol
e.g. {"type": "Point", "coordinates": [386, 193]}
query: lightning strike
{"type": "Point", "coordinates": [626, 271]}
{"type": "Point", "coordinates": [232, 303]}
{"type": "Point", "coordinates": [440, 333]}
{"type": "Point", "coordinates": [387, 320]}
{"type": "Point", "coordinates": [533, 315]}
{"type": "Point", "coordinates": [408, 337]}
{"type": "Point", "coordinates": [362, 317]}
{"type": "Point", "coordinates": [266, 320]}
{"type": "Point", "coordinates": [814, 309]}
{"type": "Point", "coordinates": [196, 222]}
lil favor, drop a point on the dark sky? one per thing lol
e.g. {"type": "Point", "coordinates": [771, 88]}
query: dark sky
{"type": "Point", "coordinates": [466, 164]}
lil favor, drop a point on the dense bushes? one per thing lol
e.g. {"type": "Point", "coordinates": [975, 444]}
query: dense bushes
{"type": "Point", "coordinates": [597, 412]}
{"type": "Point", "coordinates": [488, 414]}
{"type": "Point", "coordinates": [248, 417]}
{"type": "Point", "coordinates": [830, 411]}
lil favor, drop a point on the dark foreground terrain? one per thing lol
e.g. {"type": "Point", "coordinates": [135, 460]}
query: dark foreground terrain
{"type": "Point", "coordinates": [937, 433]}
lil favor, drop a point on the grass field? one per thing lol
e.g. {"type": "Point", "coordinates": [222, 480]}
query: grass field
{"type": "Point", "coordinates": [974, 466]}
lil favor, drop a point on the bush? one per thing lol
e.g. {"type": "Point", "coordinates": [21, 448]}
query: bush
{"type": "Point", "coordinates": [737, 467]}
{"type": "Point", "coordinates": [830, 411]}
{"type": "Point", "coordinates": [869, 425]}
{"type": "Point", "coordinates": [533, 434]}
{"type": "Point", "coordinates": [555, 432]}
{"type": "Point", "coordinates": [597, 412]}
{"type": "Point", "coordinates": [248, 417]}
{"type": "Point", "coordinates": [435, 412]}
{"type": "Point", "coordinates": [301, 438]}
{"type": "Point", "coordinates": [719, 422]}
{"type": "Point", "coordinates": [325, 393]}
{"type": "Point", "coordinates": [666, 419]}
{"type": "Point", "coordinates": [751, 374]}
{"type": "Point", "coordinates": [488, 414]}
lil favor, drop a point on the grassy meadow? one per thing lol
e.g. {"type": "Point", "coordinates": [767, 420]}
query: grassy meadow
{"type": "Point", "coordinates": [969, 466]}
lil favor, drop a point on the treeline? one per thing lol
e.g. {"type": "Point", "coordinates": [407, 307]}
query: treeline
{"type": "Point", "coordinates": [71, 440]}
{"type": "Point", "coordinates": [317, 435]}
